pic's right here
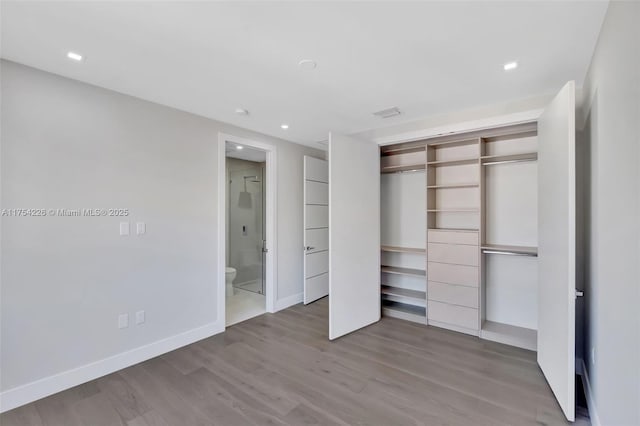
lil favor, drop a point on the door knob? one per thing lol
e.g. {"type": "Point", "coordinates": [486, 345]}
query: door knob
{"type": "Point", "coordinates": [309, 248]}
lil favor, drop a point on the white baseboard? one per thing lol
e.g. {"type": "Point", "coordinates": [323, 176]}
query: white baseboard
{"type": "Point", "coordinates": [588, 392]}
{"type": "Point", "coordinates": [288, 301]}
{"type": "Point", "coordinates": [33, 391]}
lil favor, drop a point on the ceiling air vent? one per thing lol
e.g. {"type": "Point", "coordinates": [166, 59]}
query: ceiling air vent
{"type": "Point", "coordinates": [389, 112]}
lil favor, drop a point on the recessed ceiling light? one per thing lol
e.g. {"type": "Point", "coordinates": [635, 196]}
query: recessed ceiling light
{"type": "Point", "coordinates": [75, 56]}
{"type": "Point", "coordinates": [284, 126]}
{"type": "Point", "coordinates": [239, 147]}
{"type": "Point", "coordinates": [242, 111]}
{"type": "Point", "coordinates": [510, 66]}
{"type": "Point", "coordinates": [307, 64]}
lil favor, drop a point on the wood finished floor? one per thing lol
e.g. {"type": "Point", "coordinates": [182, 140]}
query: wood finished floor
{"type": "Point", "coordinates": [281, 369]}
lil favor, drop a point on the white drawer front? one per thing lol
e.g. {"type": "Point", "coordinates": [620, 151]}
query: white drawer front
{"type": "Point", "coordinates": [454, 294]}
{"type": "Point", "coordinates": [453, 253]}
{"type": "Point", "coordinates": [453, 237]}
{"type": "Point", "coordinates": [453, 274]}
{"type": "Point", "coordinates": [452, 314]}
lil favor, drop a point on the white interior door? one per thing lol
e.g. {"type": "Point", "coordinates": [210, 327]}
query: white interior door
{"type": "Point", "coordinates": [556, 246]}
{"type": "Point", "coordinates": [354, 234]}
{"type": "Point", "coordinates": [316, 229]}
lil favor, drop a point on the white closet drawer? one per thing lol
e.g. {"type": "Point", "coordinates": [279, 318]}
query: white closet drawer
{"type": "Point", "coordinates": [453, 274]}
{"type": "Point", "coordinates": [452, 314]}
{"type": "Point", "coordinates": [453, 253]}
{"type": "Point", "coordinates": [453, 294]}
{"type": "Point", "coordinates": [453, 237]}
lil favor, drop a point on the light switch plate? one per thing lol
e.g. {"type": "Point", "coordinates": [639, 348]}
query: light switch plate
{"type": "Point", "coordinates": [124, 228]}
{"type": "Point", "coordinates": [141, 228]}
{"type": "Point", "coordinates": [123, 320]}
{"type": "Point", "coordinates": [140, 317]}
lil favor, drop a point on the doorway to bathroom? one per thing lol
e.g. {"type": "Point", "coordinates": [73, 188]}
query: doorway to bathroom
{"type": "Point", "coordinates": [245, 231]}
{"type": "Point", "coordinates": [247, 213]}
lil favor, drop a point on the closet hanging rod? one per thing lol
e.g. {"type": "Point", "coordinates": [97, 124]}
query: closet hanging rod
{"type": "Point", "coordinates": [491, 163]}
{"type": "Point", "coordinates": [509, 253]}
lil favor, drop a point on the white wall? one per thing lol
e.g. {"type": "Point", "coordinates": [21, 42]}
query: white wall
{"type": "Point", "coordinates": [66, 144]}
{"type": "Point", "coordinates": [612, 129]}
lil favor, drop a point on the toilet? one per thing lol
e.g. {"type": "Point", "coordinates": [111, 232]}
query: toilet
{"type": "Point", "coordinates": [229, 275]}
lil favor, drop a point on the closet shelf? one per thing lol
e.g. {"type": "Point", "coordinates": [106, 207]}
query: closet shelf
{"type": "Point", "coordinates": [403, 168]}
{"type": "Point", "coordinates": [397, 249]}
{"type": "Point", "coordinates": [460, 162]}
{"type": "Point", "coordinates": [420, 296]}
{"type": "Point", "coordinates": [505, 249]}
{"type": "Point", "coordinates": [454, 143]}
{"type": "Point", "coordinates": [453, 185]}
{"type": "Point", "coordinates": [510, 335]}
{"type": "Point", "coordinates": [488, 160]}
{"type": "Point", "coordinates": [455, 229]}
{"type": "Point", "coordinates": [403, 271]}
{"type": "Point", "coordinates": [403, 311]}
{"type": "Point", "coordinates": [455, 210]}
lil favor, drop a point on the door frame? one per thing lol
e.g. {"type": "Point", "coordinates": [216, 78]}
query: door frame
{"type": "Point", "coordinates": [270, 220]}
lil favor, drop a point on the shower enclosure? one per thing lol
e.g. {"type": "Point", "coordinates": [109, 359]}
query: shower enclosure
{"type": "Point", "coordinates": [246, 227]}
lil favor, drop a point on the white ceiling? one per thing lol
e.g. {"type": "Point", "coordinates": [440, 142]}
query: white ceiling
{"type": "Point", "coordinates": [211, 57]}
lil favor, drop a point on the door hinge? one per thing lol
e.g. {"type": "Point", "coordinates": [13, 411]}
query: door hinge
{"type": "Point", "coordinates": [579, 293]}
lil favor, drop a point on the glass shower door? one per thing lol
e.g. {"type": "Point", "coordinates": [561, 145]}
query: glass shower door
{"type": "Point", "coordinates": [246, 228]}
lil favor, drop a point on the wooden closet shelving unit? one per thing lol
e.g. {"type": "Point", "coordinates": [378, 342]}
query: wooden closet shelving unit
{"type": "Point", "coordinates": [456, 278]}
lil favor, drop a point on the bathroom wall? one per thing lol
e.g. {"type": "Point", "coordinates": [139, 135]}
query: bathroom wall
{"type": "Point", "coordinates": [245, 218]}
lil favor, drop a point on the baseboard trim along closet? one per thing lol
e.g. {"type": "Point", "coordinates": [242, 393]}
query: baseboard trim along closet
{"type": "Point", "coordinates": [588, 392]}
{"type": "Point", "coordinates": [38, 389]}
{"type": "Point", "coordinates": [288, 301]}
